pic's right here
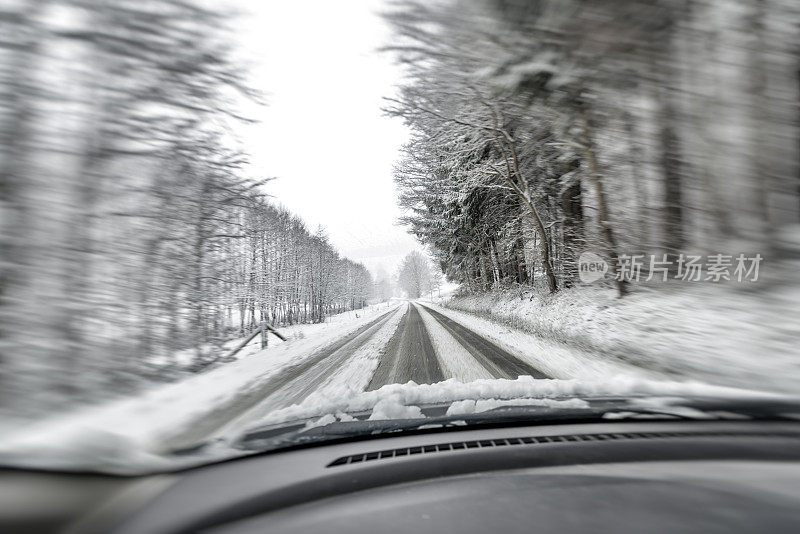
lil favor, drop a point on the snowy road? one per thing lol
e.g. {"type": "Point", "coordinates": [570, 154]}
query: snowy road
{"type": "Point", "coordinates": [408, 343]}
{"type": "Point", "coordinates": [497, 361]}
{"type": "Point", "coordinates": [409, 355]}
{"type": "Point", "coordinates": [291, 385]}
{"type": "Point", "coordinates": [412, 353]}
{"type": "Point", "coordinates": [369, 360]}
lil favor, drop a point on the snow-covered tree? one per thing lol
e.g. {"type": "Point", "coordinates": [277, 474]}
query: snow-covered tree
{"type": "Point", "coordinates": [542, 129]}
{"type": "Point", "coordinates": [414, 275]}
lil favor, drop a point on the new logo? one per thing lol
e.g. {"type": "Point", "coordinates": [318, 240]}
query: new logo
{"type": "Point", "coordinates": [591, 267]}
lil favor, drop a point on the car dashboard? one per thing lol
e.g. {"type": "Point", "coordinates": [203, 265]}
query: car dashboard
{"type": "Point", "coordinates": [687, 476]}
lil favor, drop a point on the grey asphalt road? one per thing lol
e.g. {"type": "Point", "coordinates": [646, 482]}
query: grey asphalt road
{"type": "Point", "coordinates": [494, 359]}
{"type": "Point", "coordinates": [410, 354]}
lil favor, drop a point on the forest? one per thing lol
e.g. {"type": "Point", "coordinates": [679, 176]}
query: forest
{"type": "Point", "coordinates": [132, 227]}
{"type": "Point", "coordinates": [548, 128]}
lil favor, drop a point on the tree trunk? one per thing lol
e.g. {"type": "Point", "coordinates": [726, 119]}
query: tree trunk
{"type": "Point", "coordinates": [572, 207]}
{"type": "Point", "coordinates": [602, 207]}
{"type": "Point", "coordinates": [671, 164]}
{"type": "Point", "coordinates": [523, 192]}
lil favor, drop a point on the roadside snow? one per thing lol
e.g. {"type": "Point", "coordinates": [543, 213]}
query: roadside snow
{"type": "Point", "coordinates": [444, 293]}
{"type": "Point", "coordinates": [734, 334]}
{"type": "Point", "coordinates": [349, 377]}
{"type": "Point", "coordinates": [144, 422]}
{"type": "Point", "coordinates": [553, 359]}
{"type": "Point", "coordinates": [295, 331]}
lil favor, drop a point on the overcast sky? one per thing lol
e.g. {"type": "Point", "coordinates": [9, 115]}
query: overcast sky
{"type": "Point", "coordinates": [323, 135]}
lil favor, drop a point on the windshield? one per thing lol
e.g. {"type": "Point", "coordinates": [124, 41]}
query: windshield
{"type": "Point", "coordinates": [229, 227]}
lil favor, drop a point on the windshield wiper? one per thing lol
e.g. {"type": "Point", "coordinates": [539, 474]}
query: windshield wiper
{"type": "Point", "coordinates": [598, 410]}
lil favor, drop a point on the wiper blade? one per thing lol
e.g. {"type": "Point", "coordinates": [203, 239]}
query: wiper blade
{"type": "Point", "coordinates": [597, 410]}
{"type": "Point", "coordinates": [269, 439]}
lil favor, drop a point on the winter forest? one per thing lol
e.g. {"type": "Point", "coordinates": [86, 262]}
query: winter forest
{"type": "Point", "coordinates": [133, 228]}
{"type": "Point", "coordinates": [544, 129]}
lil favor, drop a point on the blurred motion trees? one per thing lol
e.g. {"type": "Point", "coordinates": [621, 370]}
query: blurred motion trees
{"type": "Point", "coordinates": [545, 128]}
{"type": "Point", "coordinates": [129, 227]}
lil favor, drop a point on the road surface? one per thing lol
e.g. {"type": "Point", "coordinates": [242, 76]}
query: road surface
{"type": "Point", "coordinates": [408, 354]}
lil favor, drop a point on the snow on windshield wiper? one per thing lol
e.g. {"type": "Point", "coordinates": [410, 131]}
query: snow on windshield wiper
{"type": "Point", "coordinates": [472, 414]}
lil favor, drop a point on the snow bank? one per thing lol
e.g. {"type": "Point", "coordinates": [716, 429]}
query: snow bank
{"type": "Point", "coordinates": [734, 334]}
{"type": "Point", "coordinates": [348, 377]}
{"type": "Point", "coordinates": [554, 359]}
{"type": "Point", "coordinates": [145, 422]}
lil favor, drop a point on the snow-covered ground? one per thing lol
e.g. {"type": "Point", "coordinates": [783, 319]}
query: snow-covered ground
{"type": "Point", "coordinates": [668, 340]}
{"type": "Point", "coordinates": [295, 331]}
{"type": "Point", "coordinates": [728, 333]}
{"type": "Point", "coordinates": [554, 359]}
{"type": "Point", "coordinates": [443, 294]}
{"type": "Point", "coordinates": [159, 412]}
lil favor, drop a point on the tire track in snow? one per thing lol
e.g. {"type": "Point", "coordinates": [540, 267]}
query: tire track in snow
{"type": "Point", "coordinates": [409, 355]}
{"type": "Point", "coordinates": [497, 361]}
{"type": "Point", "coordinates": [456, 361]}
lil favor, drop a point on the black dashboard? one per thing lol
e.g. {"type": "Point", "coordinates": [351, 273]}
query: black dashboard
{"type": "Point", "coordinates": [602, 477]}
